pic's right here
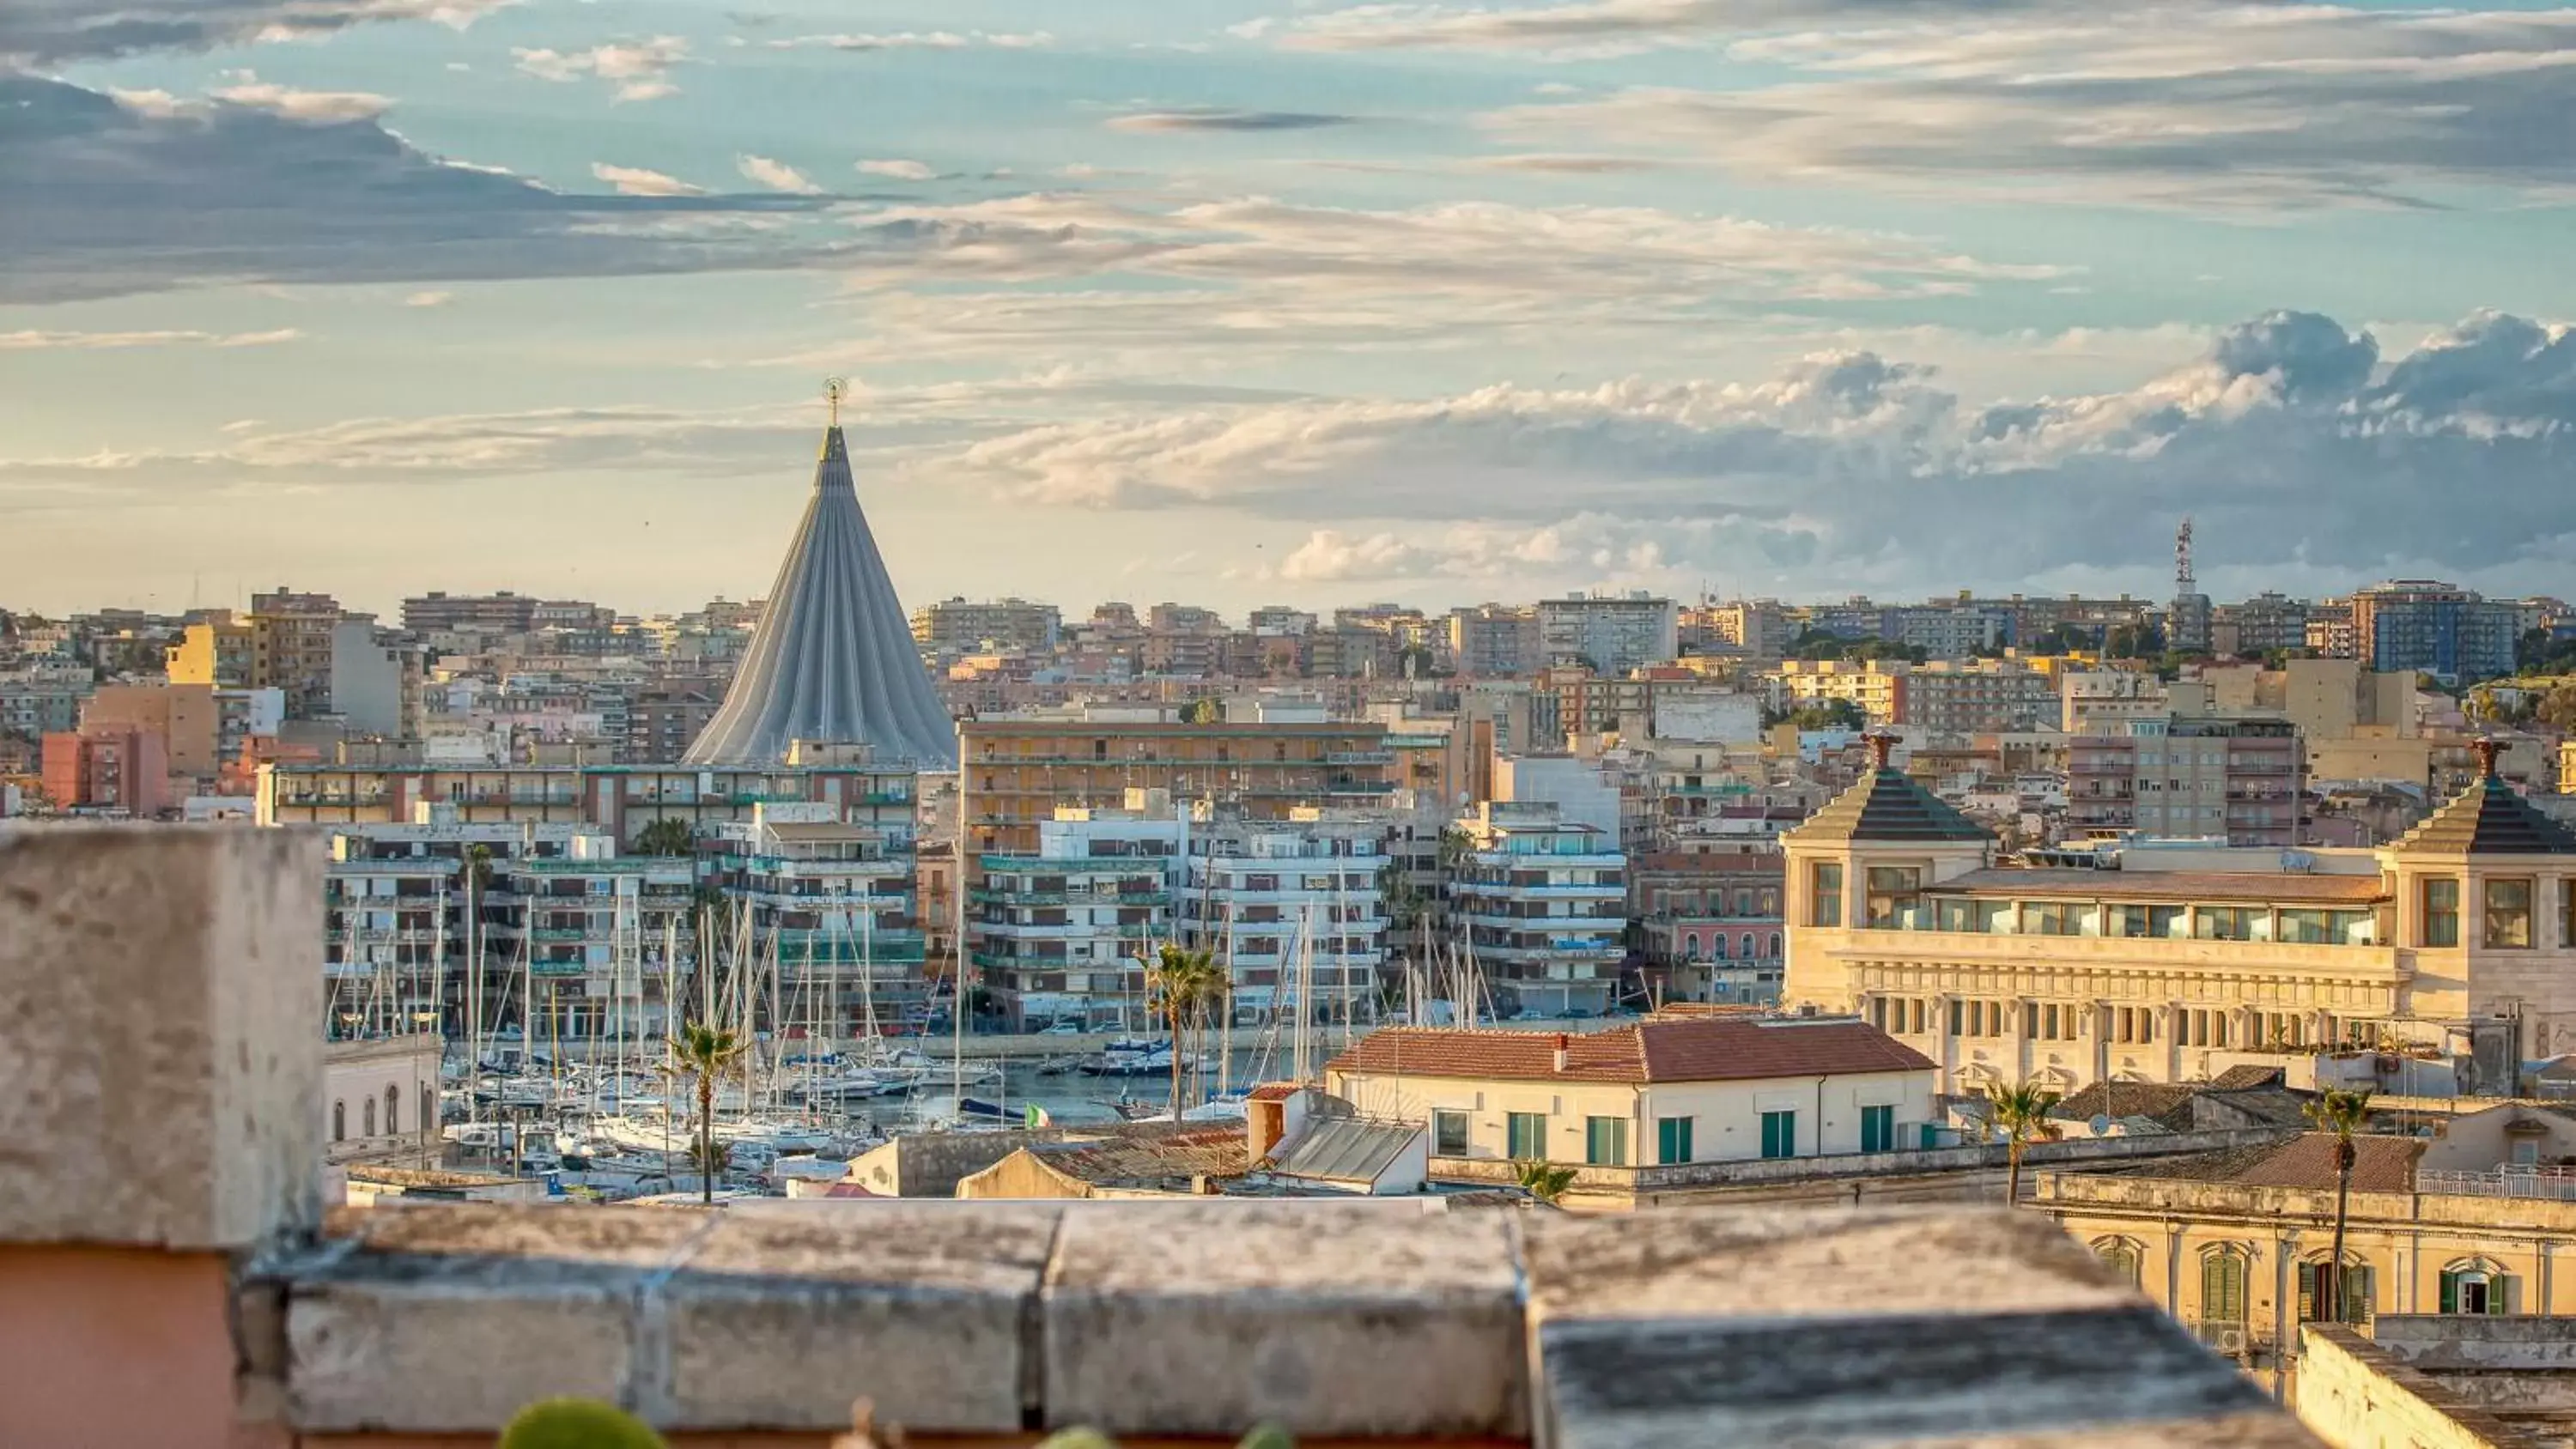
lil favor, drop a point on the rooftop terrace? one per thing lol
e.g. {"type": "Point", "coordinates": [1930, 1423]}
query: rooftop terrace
{"type": "Point", "coordinates": [166, 1276]}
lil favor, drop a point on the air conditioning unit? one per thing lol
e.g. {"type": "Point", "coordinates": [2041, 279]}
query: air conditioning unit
{"type": "Point", "coordinates": [2229, 1341]}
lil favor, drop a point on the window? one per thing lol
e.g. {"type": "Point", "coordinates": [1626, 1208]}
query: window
{"type": "Point", "coordinates": [2478, 1287]}
{"type": "Point", "coordinates": [1673, 1139]}
{"type": "Point", "coordinates": [1827, 907]}
{"type": "Point", "coordinates": [2222, 1286]}
{"type": "Point", "coordinates": [1878, 1129]}
{"type": "Point", "coordinates": [2225, 923]}
{"type": "Point", "coordinates": [1895, 897]}
{"type": "Point", "coordinates": [2124, 921]}
{"type": "Point", "coordinates": [1605, 1141]}
{"type": "Point", "coordinates": [2441, 911]}
{"type": "Point", "coordinates": [2508, 915]}
{"type": "Point", "coordinates": [370, 1117]}
{"type": "Point", "coordinates": [1779, 1134]}
{"type": "Point", "coordinates": [2567, 912]}
{"type": "Point", "coordinates": [1526, 1136]}
{"type": "Point", "coordinates": [2352, 1303]}
{"type": "Point", "coordinates": [2121, 1256]}
{"type": "Point", "coordinates": [1449, 1133]}
{"type": "Point", "coordinates": [339, 1121]}
{"type": "Point", "coordinates": [393, 1110]}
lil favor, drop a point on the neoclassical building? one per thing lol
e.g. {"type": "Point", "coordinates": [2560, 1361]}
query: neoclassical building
{"type": "Point", "coordinates": [2170, 961]}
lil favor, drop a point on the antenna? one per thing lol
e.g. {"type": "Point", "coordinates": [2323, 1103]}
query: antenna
{"type": "Point", "coordinates": [837, 388]}
{"type": "Point", "coordinates": [2182, 556]}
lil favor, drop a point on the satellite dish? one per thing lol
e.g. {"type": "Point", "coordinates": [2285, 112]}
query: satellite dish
{"type": "Point", "coordinates": [2101, 1124]}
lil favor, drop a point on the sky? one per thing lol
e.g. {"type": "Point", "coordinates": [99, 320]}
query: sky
{"type": "Point", "coordinates": [1247, 301]}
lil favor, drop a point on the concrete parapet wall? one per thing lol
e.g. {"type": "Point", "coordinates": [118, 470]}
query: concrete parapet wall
{"type": "Point", "coordinates": [2357, 1395]}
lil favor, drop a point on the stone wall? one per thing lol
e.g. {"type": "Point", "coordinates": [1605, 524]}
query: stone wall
{"type": "Point", "coordinates": [2356, 1395]}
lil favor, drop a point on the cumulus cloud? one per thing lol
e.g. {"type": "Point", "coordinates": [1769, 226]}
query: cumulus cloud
{"type": "Point", "coordinates": [636, 181]}
{"type": "Point", "coordinates": [111, 195]}
{"type": "Point", "coordinates": [896, 170]}
{"type": "Point", "coordinates": [2202, 106]}
{"type": "Point", "coordinates": [294, 105]}
{"type": "Point", "coordinates": [640, 70]}
{"type": "Point", "coordinates": [2291, 439]}
{"type": "Point", "coordinates": [1212, 118]}
{"type": "Point", "coordinates": [776, 175]}
{"type": "Point", "coordinates": [429, 299]}
{"type": "Point", "coordinates": [33, 341]}
{"type": "Point", "coordinates": [51, 32]}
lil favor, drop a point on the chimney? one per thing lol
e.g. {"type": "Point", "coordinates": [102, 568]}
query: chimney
{"type": "Point", "coordinates": [1561, 1041]}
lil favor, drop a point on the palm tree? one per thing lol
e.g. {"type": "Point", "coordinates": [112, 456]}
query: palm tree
{"type": "Point", "coordinates": [1542, 1181]}
{"type": "Point", "coordinates": [2021, 1112]}
{"type": "Point", "coordinates": [1184, 983]}
{"type": "Point", "coordinates": [702, 1053]}
{"type": "Point", "coordinates": [669, 835]}
{"type": "Point", "coordinates": [478, 881]}
{"type": "Point", "coordinates": [2340, 1113]}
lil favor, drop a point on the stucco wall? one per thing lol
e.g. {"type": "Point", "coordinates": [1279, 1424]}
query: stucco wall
{"type": "Point", "coordinates": [2355, 1396]}
{"type": "Point", "coordinates": [1726, 1116]}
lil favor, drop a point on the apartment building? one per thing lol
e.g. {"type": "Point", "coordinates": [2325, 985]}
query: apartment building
{"type": "Point", "coordinates": [2237, 780]}
{"type": "Point", "coordinates": [1018, 769]}
{"type": "Point", "coordinates": [2438, 628]}
{"type": "Point", "coordinates": [484, 614]}
{"type": "Point", "coordinates": [1063, 933]}
{"type": "Point", "coordinates": [2158, 959]}
{"type": "Point", "coordinates": [1709, 924]}
{"type": "Point", "coordinates": [954, 627]}
{"type": "Point", "coordinates": [214, 651]}
{"type": "Point", "coordinates": [1613, 635]}
{"type": "Point", "coordinates": [1982, 697]}
{"type": "Point", "coordinates": [1878, 688]}
{"type": "Point", "coordinates": [2260, 625]}
{"type": "Point", "coordinates": [1543, 905]}
{"type": "Point", "coordinates": [595, 938]}
{"type": "Point", "coordinates": [826, 901]}
{"type": "Point", "coordinates": [1293, 907]}
{"type": "Point", "coordinates": [113, 768]}
{"type": "Point", "coordinates": [1948, 631]}
{"type": "Point", "coordinates": [1494, 641]}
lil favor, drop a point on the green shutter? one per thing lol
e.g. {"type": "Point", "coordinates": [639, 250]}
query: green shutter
{"type": "Point", "coordinates": [2450, 1292]}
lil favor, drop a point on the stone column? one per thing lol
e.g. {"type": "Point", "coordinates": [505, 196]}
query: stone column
{"type": "Point", "coordinates": [161, 1018]}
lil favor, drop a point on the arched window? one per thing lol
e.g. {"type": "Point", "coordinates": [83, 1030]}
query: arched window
{"type": "Point", "coordinates": [1717, 946]}
{"type": "Point", "coordinates": [2476, 1285]}
{"type": "Point", "coordinates": [1745, 942]}
{"type": "Point", "coordinates": [1775, 945]}
{"type": "Point", "coordinates": [428, 1106]}
{"type": "Point", "coordinates": [2121, 1255]}
{"type": "Point", "coordinates": [1690, 947]}
{"type": "Point", "coordinates": [371, 1117]}
{"type": "Point", "coordinates": [2352, 1302]}
{"type": "Point", "coordinates": [393, 1110]}
{"type": "Point", "coordinates": [339, 1121]}
{"type": "Point", "coordinates": [2222, 1286]}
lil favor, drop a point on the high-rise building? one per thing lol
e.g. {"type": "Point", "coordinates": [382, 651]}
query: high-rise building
{"type": "Point", "coordinates": [1291, 907]}
{"type": "Point", "coordinates": [1064, 932]}
{"type": "Point", "coordinates": [1494, 641]}
{"type": "Point", "coordinates": [488, 614]}
{"type": "Point", "coordinates": [2434, 627]}
{"type": "Point", "coordinates": [1612, 634]}
{"type": "Point", "coordinates": [833, 660]}
{"type": "Point", "coordinates": [1544, 904]}
{"type": "Point", "coordinates": [954, 627]}
{"type": "Point", "coordinates": [2230, 779]}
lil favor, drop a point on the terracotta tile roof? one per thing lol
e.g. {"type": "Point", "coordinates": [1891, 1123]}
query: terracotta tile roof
{"type": "Point", "coordinates": [2160, 885]}
{"type": "Point", "coordinates": [2243, 1078]}
{"type": "Point", "coordinates": [2305, 1162]}
{"type": "Point", "coordinates": [1658, 1049]}
{"type": "Point", "coordinates": [1273, 1092]}
{"type": "Point", "coordinates": [1148, 1161]}
{"type": "Point", "coordinates": [2166, 1102]}
{"type": "Point", "coordinates": [1889, 805]}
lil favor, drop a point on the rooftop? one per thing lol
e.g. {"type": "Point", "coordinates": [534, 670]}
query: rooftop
{"type": "Point", "coordinates": [2173, 885]}
{"type": "Point", "coordinates": [1887, 805]}
{"type": "Point", "coordinates": [2489, 818]}
{"type": "Point", "coordinates": [1658, 1049]}
{"type": "Point", "coordinates": [2305, 1162]}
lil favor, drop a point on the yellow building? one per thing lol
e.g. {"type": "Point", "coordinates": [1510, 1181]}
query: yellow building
{"type": "Point", "coordinates": [1665, 1091]}
{"type": "Point", "coordinates": [1879, 689]}
{"type": "Point", "coordinates": [2233, 1243]}
{"type": "Point", "coordinates": [2166, 962]}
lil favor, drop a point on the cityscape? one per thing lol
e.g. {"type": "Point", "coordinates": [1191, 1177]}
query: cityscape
{"type": "Point", "coordinates": [1564, 723]}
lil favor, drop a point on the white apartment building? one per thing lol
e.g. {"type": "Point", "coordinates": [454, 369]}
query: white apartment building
{"type": "Point", "coordinates": [2104, 701]}
{"type": "Point", "coordinates": [1293, 907]}
{"type": "Point", "coordinates": [829, 902]}
{"type": "Point", "coordinates": [1616, 633]}
{"type": "Point", "coordinates": [1544, 904]}
{"type": "Point", "coordinates": [1063, 934]}
{"type": "Point", "coordinates": [596, 939]}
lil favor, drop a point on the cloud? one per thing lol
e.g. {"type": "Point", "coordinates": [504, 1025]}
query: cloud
{"type": "Point", "coordinates": [109, 196]}
{"type": "Point", "coordinates": [52, 32]}
{"type": "Point", "coordinates": [2230, 107]}
{"type": "Point", "coordinates": [429, 299]}
{"type": "Point", "coordinates": [32, 341]}
{"type": "Point", "coordinates": [776, 175]}
{"type": "Point", "coordinates": [1210, 118]}
{"type": "Point", "coordinates": [897, 170]}
{"type": "Point", "coordinates": [636, 181]}
{"type": "Point", "coordinates": [296, 105]}
{"type": "Point", "coordinates": [915, 40]}
{"type": "Point", "coordinates": [2295, 443]}
{"type": "Point", "coordinates": [640, 68]}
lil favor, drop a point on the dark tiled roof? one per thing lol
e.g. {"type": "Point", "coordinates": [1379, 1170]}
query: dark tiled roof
{"type": "Point", "coordinates": [2166, 1102]}
{"type": "Point", "coordinates": [1148, 1161]}
{"type": "Point", "coordinates": [2198, 885]}
{"type": "Point", "coordinates": [1659, 1049]}
{"type": "Point", "coordinates": [1887, 805]}
{"type": "Point", "coordinates": [2489, 818]}
{"type": "Point", "coordinates": [2238, 1079]}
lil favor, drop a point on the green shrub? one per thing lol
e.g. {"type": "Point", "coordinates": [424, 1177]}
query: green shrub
{"type": "Point", "coordinates": [577, 1424]}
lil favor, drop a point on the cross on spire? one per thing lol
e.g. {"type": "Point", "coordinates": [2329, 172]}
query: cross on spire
{"type": "Point", "coordinates": [835, 389]}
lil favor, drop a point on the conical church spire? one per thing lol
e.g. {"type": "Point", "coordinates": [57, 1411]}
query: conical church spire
{"type": "Point", "coordinates": [833, 659]}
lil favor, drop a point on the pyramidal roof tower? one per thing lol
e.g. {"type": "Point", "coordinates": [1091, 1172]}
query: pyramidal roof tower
{"type": "Point", "coordinates": [833, 659]}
